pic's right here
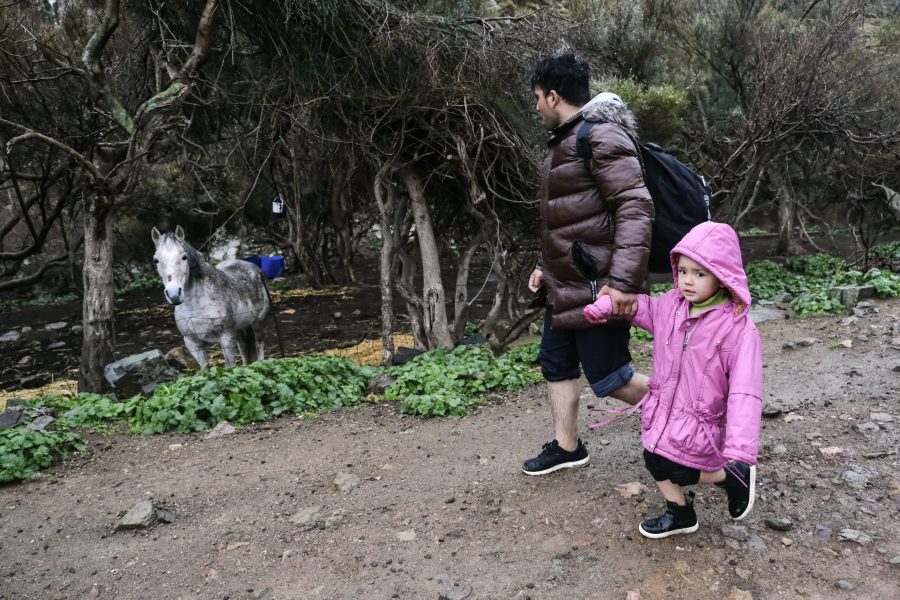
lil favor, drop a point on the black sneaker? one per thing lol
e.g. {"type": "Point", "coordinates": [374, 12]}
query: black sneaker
{"type": "Point", "coordinates": [553, 458]}
{"type": "Point", "coordinates": [740, 485]}
{"type": "Point", "coordinates": [676, 520]}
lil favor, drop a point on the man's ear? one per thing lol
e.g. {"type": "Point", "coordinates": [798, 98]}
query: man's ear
{"type": "Point", "coordinates": [553, 98]}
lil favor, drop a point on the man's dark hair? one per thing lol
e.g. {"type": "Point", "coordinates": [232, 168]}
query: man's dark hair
{"type": "Point", "coordinates": [566, 73]}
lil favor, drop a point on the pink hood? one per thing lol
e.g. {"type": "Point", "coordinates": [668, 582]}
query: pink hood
{"type": "Point", "coordinates": [716, 247]}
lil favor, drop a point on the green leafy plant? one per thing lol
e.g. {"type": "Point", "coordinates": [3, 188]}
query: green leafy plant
{"type": "Point", "coordinates": [139, 284]}
{"type": "Point", "coordinates": [448, 383]}
{"type": "Point", "coordinates": [43, 299]}
{"type": "Point", "coordinates": [24, 452]}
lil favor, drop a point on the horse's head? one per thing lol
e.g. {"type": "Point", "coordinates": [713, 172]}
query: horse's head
{"type": "Point", "coordinates": [176, 261]}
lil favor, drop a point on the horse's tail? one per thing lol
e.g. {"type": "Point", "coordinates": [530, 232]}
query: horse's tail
{"type": "Point", "coordinates": [274, 314]}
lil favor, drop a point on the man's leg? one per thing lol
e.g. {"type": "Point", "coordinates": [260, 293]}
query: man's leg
{"type": "Point", "coordinates": [564, 407]}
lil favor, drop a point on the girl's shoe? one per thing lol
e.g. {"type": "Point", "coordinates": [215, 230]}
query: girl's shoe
{"type": "Point", "coordinates": [676, 519]}
{"type": "Point", "coordinates": [740, 485]}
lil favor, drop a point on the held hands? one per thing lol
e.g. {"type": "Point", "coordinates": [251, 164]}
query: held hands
{"type": "Point", "coordinates": [611, 303]}
{"type": "Point", "coordinates": [536, 281]}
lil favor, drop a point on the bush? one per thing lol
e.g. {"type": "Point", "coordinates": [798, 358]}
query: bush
{"type": "Point", "coordinates": [24, 452]}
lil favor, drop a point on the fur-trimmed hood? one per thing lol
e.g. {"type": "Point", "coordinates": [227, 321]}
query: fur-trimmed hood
{"type": "Point", "coordinates": [606, 107]}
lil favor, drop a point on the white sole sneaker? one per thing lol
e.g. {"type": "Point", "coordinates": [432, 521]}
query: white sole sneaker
{"type": "Point", "coordinates": [752, 488]}
{"type": "Point", "coordinates": [568, 465]}
{"type": "Point", "coordinates": [656, 536]}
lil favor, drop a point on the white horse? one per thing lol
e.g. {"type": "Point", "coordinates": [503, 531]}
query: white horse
{"type": "Point", "coordinates": [226, 304]}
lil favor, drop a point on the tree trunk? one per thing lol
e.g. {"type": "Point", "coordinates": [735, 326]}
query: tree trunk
{"type": "Point", "coordinates": [434, 308]}
{"type": "Point", "coordinates": [386, 279]}
{"type": "Point", "coordinates": [787, 213]}
{"type": "Point", "coordinates": [97, 305]}
{"type": "Point", "coordinates": [461, 297]}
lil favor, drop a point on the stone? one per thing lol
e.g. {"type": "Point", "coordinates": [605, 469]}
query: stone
{"type": "Point", "coordinates": [31, 382]}
{"type": "Point", "coordinates": [881, 417]}
{"type": "Point", "coordinates": [129, 375]}
{"type": "Point", "coordinates": [633, 488]}
{"type": "Point", "coordinates": [221, 429]}
{"type": "Point", "coordinates": [760, 314]}
{"type": "Point", "coordinates": [845, 343]}
{"type": "Point", "coordinates": [180, 358]}
{"type": "Point", "coordinates": [739, 594]}
{"type": "Point", "coordinates": [56, 345]}
{"type": "Point", "coordinates": [831, 451]}
{"type": "Point", "coordinates": [743, 573]}
{"type": "Point", "coordinates": [785, 541]}
{"type": "Point", "coordinates": [799, 343]}
{"type": "Point", "coordinates": [770, 411]}
{"type": "Point", "coordinates": [140, 516]}
{"type": "Point", "coordinates": [895, 560]}
{"type": "Point", "coordinates": [457, 592]}
{"type": "Point", "coordinates": [11, 336]}
{"type": "Point", "coordinates": [779, 449]}
{"type": "Point", "coordinates": [854, 535]}
{"type": "Point", "coordinates": [41, 423]}
{"type": "Point", "coordinates": [477, 339]}
{"type": "Point", "coordinates": [56, 326]}
{"type": "Point", "coordinates": [736, 532]}
{"type": "Point", "coordinates": [379, 383]}
{"type": "Point", "coordinates": [850, 295]}
{"type": "Point", "coordinates": [780, 524]}
{"type": "Point", "coordinates": [307, 518]}
{"type": "Point", "coordinates": [843, 584]}
{"type": "Point", "coordinates": [756, 543]}
{"type": "Point", "coordinates": [11, 417]}
{"type": "Point", "coordinates": [822, 531]}
{"type": "Point", "coordinates": [403, 355]}
{"type": "Point", "coordinates": [165, 516]}
{"type": "Point", "coordinates": [867, 427]}
{"type": "Point", "coordinates": [406, 536]}
{"type": "Point", "coordinates": [345, 482]}
{"type": "Point", "coordinates": [856, 477]}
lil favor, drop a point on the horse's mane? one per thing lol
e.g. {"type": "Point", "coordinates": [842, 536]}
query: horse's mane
{"type": "Point", "coordinates": [194, 258]}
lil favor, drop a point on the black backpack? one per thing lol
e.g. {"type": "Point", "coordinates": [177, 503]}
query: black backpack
{"type": "Point", "coordinates": [680, 196]}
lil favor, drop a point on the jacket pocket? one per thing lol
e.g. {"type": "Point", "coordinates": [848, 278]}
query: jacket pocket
{"type": "Point", "coordinates": [586, 265]}
{"type": "Point", "coordinates": [696, 437]}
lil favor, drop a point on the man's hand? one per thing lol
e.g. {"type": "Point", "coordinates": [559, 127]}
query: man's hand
{"type": "Point", "coordinates": [624, 306]}
{"type": "Point", "coordinates": [536, 281]}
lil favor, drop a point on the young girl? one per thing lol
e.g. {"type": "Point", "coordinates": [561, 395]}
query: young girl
{"type": "Point", "coordinates": [700, 418]}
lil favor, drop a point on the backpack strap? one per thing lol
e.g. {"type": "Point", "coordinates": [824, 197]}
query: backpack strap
{"type": "Point", "coordinates": [583, 146]}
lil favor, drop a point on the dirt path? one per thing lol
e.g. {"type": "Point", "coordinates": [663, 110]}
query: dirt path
{"type": "Point", "coordinates": [442, 503]}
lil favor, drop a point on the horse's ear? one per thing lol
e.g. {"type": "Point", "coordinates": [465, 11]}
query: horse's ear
{"type": "Point", "coordinates": [155, 235]}
{"type": "Point", "coordinates": [179, 234]}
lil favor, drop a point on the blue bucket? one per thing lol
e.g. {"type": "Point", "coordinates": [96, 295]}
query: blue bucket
{"type": "Point", "coordinates": [272, 266]}
{"type": "Point", "coordinates": [256, 260]}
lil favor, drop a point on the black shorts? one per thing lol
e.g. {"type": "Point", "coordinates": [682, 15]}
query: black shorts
{"type": "Point", "coordinates": [602, 351]}
{"type": "Point", "coordinates": [662, 469]}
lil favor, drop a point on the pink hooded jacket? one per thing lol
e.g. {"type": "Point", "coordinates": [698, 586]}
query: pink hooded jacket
{"type": "Point", "coordinates": [705, 399]}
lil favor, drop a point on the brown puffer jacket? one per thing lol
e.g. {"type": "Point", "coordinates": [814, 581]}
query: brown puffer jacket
{"type": "Point", "coordinates": [605, 214]}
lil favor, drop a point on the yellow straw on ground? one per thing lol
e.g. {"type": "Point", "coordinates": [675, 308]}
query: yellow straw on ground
{"type": "Point", "coordinates": [368, 352]}
{"type": "Point", "coordinates": [62, 387]}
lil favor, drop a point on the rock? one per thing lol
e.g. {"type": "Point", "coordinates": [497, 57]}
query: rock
{"type": "Point", "coordinates": [56, 326]}
{"type": "Point", "coordinates": [129, 375]}
{"type": "Point", "coordinates": [140, 516]}
{"type": "Point", "coordinates": [785, 541]}
{"type": "Point", "coordinates": [845, 343]}
{"type": "Point", "coordinates": [743, 573]}
{"type": "Point", "coordinates": [782, 298]}
{"type": "Point", "coordinates": [31, 382]}
{"type": "Point", "coordinates": [379, 383]}
{"type": "Point", "coordinates": [823, 532]}
{"type": "Point", "coordinates": [307, 518]}
{"type": "Point", "coordinates": [403, 355]}
{"type": "Point", "coordinates": [799, 343]}
{"type": "Point", "coordinates": [406, 536]}
{"type": "Point", "coordinates": [11, 417]}
{"type": "Point", "coordinates": [895, 561]}
{"type": "Point", "coordinates": [857, 477]}
{"type": "Point", "coordinates": [867, 427]}
{"type": "Point", "coordinates": [56, 345]}
{"type": "Point", "coordinates": [633, 488]}
{"type": "Point", "coordinates": [779, 449]}
{"type": "Point", "coordinates": [850, 295]}
{"type": "Point", "coordinates": [11, 336]}
{"type": "Point", "coordinates": [831, 451]}
{"type": "Point", "coordinates": [760, 314]}
{"type": "Point", "coordinates": [756, 543]}
{"type": "Point", "coordinates": [165, 516]}
{"type": "Point", "coordinates": [345, 482]}
{"type": "Point", "coordinates": [791, 417]}
{"type": "Point", "coordinates": [222, 429]}
{"type": "Point", "coordinates": [457, 592]}
{"type": "Point", "coordinates": [179, 358]}
{"type": "Point", "coordinates": [849, 321]}
{"type": "Point", "coordinates": [780, 524]}
{"type": "Point", "coordinates": [25, 361]}
{"type": "Point", "coordinates": [333, 520]}
{"type": "Point", "coordinates": [736, 532]}
{"type": "Point", "coordinates": [854, 535]}
{"type": "Point", "coordinates": [739, 594]}
{"type": "Point", "coordinates": [41, 423]}
{"type": "Point", "coordinates": [477, 339]}
{"type": "Point", "coordinates": [632, 595]}
{"type": "Point", "coordinates": [770, 411]}
{"type": "Point", "coordinates": [881, 417]}
{"type": "Point", "coordinates": [843, 584]}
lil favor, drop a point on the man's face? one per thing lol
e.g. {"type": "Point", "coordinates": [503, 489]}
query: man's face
{"type": "Point", "coordinates": [546, 107]}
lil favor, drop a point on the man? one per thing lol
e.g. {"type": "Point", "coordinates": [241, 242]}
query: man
{"type": "Point", "coordinates": [595, 239]}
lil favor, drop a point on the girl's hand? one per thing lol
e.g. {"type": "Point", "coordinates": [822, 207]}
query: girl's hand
{"type": "Point", "coordinates": [599, 311]}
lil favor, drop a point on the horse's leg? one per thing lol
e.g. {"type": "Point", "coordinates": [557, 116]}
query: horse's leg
{"type": "Point", "coordinates": [247, 344]}
{"type": "Point", "coordinates": [197, 350]}
{"type": "Point", "coordinates": [229, 343]}
{"type": "Point", "coordinates": [259, 333]}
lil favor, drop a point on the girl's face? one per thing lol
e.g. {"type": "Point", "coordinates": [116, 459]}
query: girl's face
{"type": "Point", "coordinates": [695, 282]}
